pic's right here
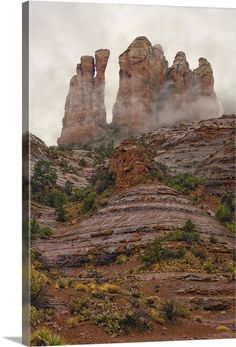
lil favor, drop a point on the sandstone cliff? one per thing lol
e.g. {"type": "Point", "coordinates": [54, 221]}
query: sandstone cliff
{"type": "Point", "coordinates": [85, 114]}
{"type": "Point", "coordinates": [151, 94]}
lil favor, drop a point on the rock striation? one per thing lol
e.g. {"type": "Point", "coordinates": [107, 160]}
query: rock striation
{"type": "Point", "coordinates": [151, 93]}
{"type": "Point", "coordinates": [127, 223]}
{"type": "Point", "coordinates": [205, 149]}
{"type": "Point", "coordinates": [85, 113]}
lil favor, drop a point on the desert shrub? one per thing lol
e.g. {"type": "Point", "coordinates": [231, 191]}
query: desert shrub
{"type": "Point", "coordinates": [223, 329]}
{"type": "Point", "coordinates": [231, 226]}
{"type": "Point", "coordinates": [135, 319]}
{"type": "Point", "coordinates": [61, 215]}
{"type": "Point", "coordinates": [54, 198]}
{"type": "Point", "coordinates": [122, 259]}
{"type": "Point", "coordinates": [37, 281]}
{"type": "Point", "coordinates": [89, 202]}
{"type": "Point", "coordinates": [44, 337]}
{"type": "Point", "coordinates": [39, 231]}
{"type": "Point", "coordinates": [44, 176]}
{"type": "Point", "coordinates": [37, 316]}
{"type": "Point", "coordinates": [229, 267]}
{"type": "Point", "coordinates": [87, 197]}
{"type": "Point", "coordinates": [208, 267]}
{"type": "Point", "coordinates": [156, 316]}
{"type": "Point", "coordinates": [103, 181]}
{"type": "Point", "coordinates": [64, 282]}
{"type": "Point", "coordinates": [103, 152]}
{"type": "Point", "coordinates": [135, 293]}
{"type": "Point", "coordinates": [109, 288]}
{"type": "Point", "coordinates": [92, 287]}
{"type": "Point", "coordinates": [184, 183]}
{"type": "Point", "coordinates": [81, 287]}
{"type": "Point", "coordinates": [188, 234]}
{"type": "Point", "coordinates": [72, 322]}
{"type": "Point", "coordinates": [68, 188]}
{"type": "Point", "coordinates": [109, 321]}
{"type": "Point", "coordinates": [155, 252]}
{"type": "Point", "coordinates": [223, 214]}
{"type": "Point", "coordinates": [171, 310]}
{"type": "Point", "coordinates": [152, 300]}
{"type": "Point", "coordinates": [197, 252]}
{"type": "Point", "coordinates": [78, 304]}
{"type": "Point", "coordinates": [66, 148]}
{"type": "Point", "coordinates": [66, 167]}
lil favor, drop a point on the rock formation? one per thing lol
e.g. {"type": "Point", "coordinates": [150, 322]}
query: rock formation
{"type": "Point", "coordinates": [85, 114]}
{"type": "Point", "coordinates": [151, 94]}
{"type": "Point", "coordinates": [132, 109]}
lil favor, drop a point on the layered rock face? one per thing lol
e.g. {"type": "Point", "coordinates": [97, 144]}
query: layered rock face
{"type": "Point", "coordinates": [85, 114]}
{"type": "Point", "coordinates": [151, 94]}
{"type": "Point", "coordinates": [131, 219]}
{"type": "Point", "coordinates": [205, 149]}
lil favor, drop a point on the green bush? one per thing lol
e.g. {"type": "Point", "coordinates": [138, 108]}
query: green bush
{"type": "Point", "coordinates": [54, 198]}
{"type": "Point", "coordinates": [231, 226]}
{"type": "Point", "coordinates": [38, 231]}
{"type": "Point", "coordinates": [103, 152]}
{"type": "Point", "coordinates": [135, 319]}
{"type": "Point", "coordinates": [229, 267]}
{"type": "Point", "coordinates": [44, 337]}
{"type": "Point", "coordinates": [184, 183]}
{"type": "Point", "coordinates": [37, 281]}
{"type": "Point", "coordinates": [171, 310]}
{"type": "Point", "coordinates": [223, 214]}
{"type": "Point", "coordinates": [68, 188]}
{"type": "Point", "coordinates": [61, 215]}
{"type": "Point", "coordinates": [89, 202]}
{"type": "Point", "coordinates": [208, 267]}
{"type": "Point", "coordinates": [188, 234]}
{"type": "Point", "coordinates": [44, 176]}
{"type": "Point", "coordinates": [103, 181]}
{"type": "Point", "coordinates": [121, 259]}
{"type": "Point", "coordinates": [155, 252]}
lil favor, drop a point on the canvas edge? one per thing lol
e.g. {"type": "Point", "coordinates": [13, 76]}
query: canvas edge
{"type": "Point", "coordinates": [25, 178]}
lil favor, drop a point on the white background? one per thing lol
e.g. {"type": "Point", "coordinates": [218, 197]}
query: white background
{"type": "Point", "coordinates": [10, 170]}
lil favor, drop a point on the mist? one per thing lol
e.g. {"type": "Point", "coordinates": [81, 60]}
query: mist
{"type": "Point", "coordinates": [60, 33]}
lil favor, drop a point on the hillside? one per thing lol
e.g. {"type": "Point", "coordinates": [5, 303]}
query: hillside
{"type": "Point", "coordinates": [140, 245]}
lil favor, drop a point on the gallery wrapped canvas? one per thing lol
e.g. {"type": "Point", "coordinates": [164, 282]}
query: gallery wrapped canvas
{"type": "Point", "coordinates": [128, 173]}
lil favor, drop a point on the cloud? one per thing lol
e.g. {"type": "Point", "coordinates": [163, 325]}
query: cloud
{"type": "Point", "coordinates": [60, 33]}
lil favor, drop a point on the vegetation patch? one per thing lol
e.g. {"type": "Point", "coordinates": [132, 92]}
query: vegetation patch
{"type": "Point", "coordinates": [45, 337]}
{"type": "Point", "coordinates": [37, 281]}
{"type": "Point", "coordinates": [172, 310]}
{"type": "Point", "coordinates": [39, 231]}
{"type": "Point", "coordinates": [225, 212]}
{"type": "Point", "coordinates": [188, 233]}
{"type": "Point", "coordinates": [184, 183]}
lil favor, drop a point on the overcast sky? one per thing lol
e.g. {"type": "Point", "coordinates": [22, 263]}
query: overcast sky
{"type": "Point", "coordinates": [60, 33]}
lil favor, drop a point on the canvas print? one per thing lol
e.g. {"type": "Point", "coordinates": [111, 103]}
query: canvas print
{"type": "Point", "coordinates": [128, 173]}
